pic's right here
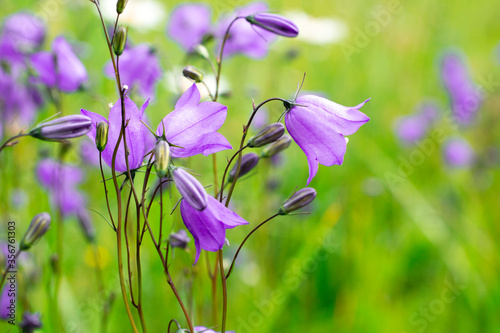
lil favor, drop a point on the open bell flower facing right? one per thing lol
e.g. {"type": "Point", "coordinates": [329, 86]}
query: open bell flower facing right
{"type": "Point", "coordinates": [318, 126]}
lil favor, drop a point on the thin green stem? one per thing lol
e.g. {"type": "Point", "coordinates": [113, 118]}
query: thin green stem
{"type": "Point", "coordinates": [224, 291]}
{"type": "Point", "coordinates": [6, 143]}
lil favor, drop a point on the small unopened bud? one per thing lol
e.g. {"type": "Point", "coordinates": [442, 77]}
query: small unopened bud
{"type": "Point", "coordinates": [267, 135]}
{"type": "Point", "coordinates": [179, 239]}
{"type": "Point", "coordinates": [120, 6]}
{"type": "Point", "coordinates": [162, 158]}
{"type": "Point", "coordinates": [276, 147]}
{"type": "Point", "coordinates": [86, 224]}
{"type": "Point", "coordinates": [190, 188]}
{"type": "Point", "coordinates": [192, 73]}
{"type": "Point", "coordinates": [119, 40]}
{"type": "Point", "coordinates": [248, 162]}
{"type": "Point", "coordinates": [63, 128]}
{"type": "Point", "coordinates": [299, 199]}
{"type": "Point", "coordinates": [37, 228]}
{"type": "Point", "coordinates": [101, 135]}
{"type": "Point", "coordinates": [276, 24]}
{"type": "Point", "coordinates": [202, 51]}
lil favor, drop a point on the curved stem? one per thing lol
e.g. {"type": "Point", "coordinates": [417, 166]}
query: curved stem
{"type": "Point", "coordinates": [243, 243]}
{"type": "Point", "coordinates": [106, 191]}
{"type": "Point", "coordinates": [6, 143]}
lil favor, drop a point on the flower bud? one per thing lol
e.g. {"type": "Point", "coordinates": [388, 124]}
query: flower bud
{"type": "Point", "coordinates": [30, 322]}
{"type": "Point", "coordinates": [248, 162]}
{"type": "Point", "coordinates": [162, 158]}
{"type": "Point", "coordinates": [101, 136]}
{"type": "Point", "coordinates": [276, 147]}
{"type": "Point", "coordinates": [267, 135]}
{"type": "Point", "coordinates": [37, 228]}
{"type": "Point", "coordinates": [299, 199]}
{"type": "Point", "coordinates": [119, 40]}
{"type": "Point", "coordinates": [86, 225]}
{"type": "Point", "coordinates": [179, 239]}
{"type": "Point", "coordinates": [67, 127]}
{"type": "Point", "coordinates": [202, 51]}
{"type": "Point", "coordinates": [192, 73]}
{"type": "Point", "coordinates": [120, 6]}
{"type": "Point", "coordinates": [190, 188]}
{"type": "Point", "coordinates": [274, 23]}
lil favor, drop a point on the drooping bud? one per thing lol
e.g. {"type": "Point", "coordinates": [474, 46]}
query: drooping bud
{"type": "Point", "coordinates": [202, 51]}
{"type": "Point", "coordinates": [248, 162]}
{"type": "Point", "coordinates": [276, 147]}
{"type": "Point", "coordinates": [190, 188]}
{"type": "Point", "coordinates": [192, 73]}
{"type": "Point", "coordinates": [276, 24]}
{"type": "Point", "coordinates": [30, 322]}
{"type": "Point", "coordinates": [37, 228]}
{"type": "Point", "coordinates": [267, 135]}
{"type": "Point", "coordinates": [120, 6]}
{"type": "Point", "coordinates": [119, 40]}
{"type": "Point", "coordinates": [63, 128]}
{"type": "Point", "coordinates": [162, 158]}
{"type": "Point", "coordinates": [86, 224]}
{"type": "Point", "coordinates": [179, 239]}
{"type": "Point", "coordinates": [299, 199]}
{"type": "Point", "coordinates": [101, 136]}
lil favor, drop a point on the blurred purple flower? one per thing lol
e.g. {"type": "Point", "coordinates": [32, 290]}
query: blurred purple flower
{"type": "Point", "coordinates": [465, 96]}
{"type": "Point", "coordinates": [194, 125]}
{"type": "Point", "coordinates": [318, 126]}
{"type": "Point", "coordinates": [7, 303]}
{"type": "Point", "coordinates": [208, 226]}
{"type": "Point", "coordinates": [245, 38]}
{"type": "Point", "coordinates": [30, 322]}
{"type": "Point", "coordinates": [134, 133]}
{"type": "Point", "coordinates": [179, 239]}
{"type": "Point", "coordinates": [59, 68]}
{"type": "Point", "coordinates": [203, 329]}
{"type": "Point", "coordinates": [188, 24]}
{"type": "Point", "coordinates": [458, 153]}
{"type": "Point", "coordinates": [139, 66]}
{"type": "Point", "coordinates": [414, 127]}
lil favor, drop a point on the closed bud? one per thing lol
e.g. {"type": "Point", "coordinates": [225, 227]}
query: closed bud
{"type": "Point", "coordinates": [190, 188]}
{"type": "Point", "coordinates": [162, 158]}
{"type": "Point", "coordinates": [101, 136]}
{"type": "Point", "coordinates": [267, 135]}
{"type": "Point", "coordinates": [276, 147]}
{"type": "Point", "coordinates": [248, 162]}
{"type": "Point", "coordinates": [192, 73]}
{"type": "Point", "coordinates": [119, 40]}
{"type": "Point", "coordinates": [179, 239]}
{"type": "Point", "coordinates": [202, 51]}
{"type": "Point", "coordinates": [37, 228]}
{"type": "Point", "coordinates": [120, 6]}
{"type": "Point", "coordinates": [86, 225]}
{"type": "Point", "coordinates": [276, 24]}
{"type": "Point", "coordinates": [63, 128]}
{"type": "Point", "coordinates": [299, 199]}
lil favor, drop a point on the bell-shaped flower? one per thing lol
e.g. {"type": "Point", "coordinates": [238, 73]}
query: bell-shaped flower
{"type": "Point", "coordinates": [193, 126]}
{"type": "Point", "coordinates": [209, 225]}
{"type": "Point", "coordinates": [244, 37]}
{"type": "Point", "coordinates": [318, 126]}
{"type": "Point", "coordinates": [188, 24]}
{"type": "Point", "coordinates": [134, 132]}
{"type": "Point", "coordinates": [60, 68]}
{"type": "Point", "coordinates": [139, 67]}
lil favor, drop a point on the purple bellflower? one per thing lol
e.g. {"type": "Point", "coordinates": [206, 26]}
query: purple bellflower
{"type": "Point", "coordinates": [318, 126]}
{"type": "Point", "coordinates": [139, 67]}
{"type": "Point", "coordinates": [458, 153]}
{"type": "Point", "coordinates": [188, 24]}
{"type": "Point", "coordinates": [465, 97]}
{"type": "Point", "coordinates": [62, 128]}
{"type": "Point", "coordinates": [209, 225]}
{"type": "Point", "coordinates": [244, 37]}
{"type": "Point", "coordinates": [59, 68]}
{"type": "Point", "coordinates": [135, 134]}
{"type": "Point", "coordinates": [276, 24]}
{"type": "Point", "coordinates": [193, 126]}
{"type": "Point", "coordinates": [414, 127]}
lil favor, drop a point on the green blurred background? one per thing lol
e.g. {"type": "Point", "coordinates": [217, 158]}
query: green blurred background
{"type": "Point", "coordinates": [385, 249]}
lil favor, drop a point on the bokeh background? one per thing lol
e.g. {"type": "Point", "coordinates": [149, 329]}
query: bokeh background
{"type": "Point", "coordinates": [397, 240]}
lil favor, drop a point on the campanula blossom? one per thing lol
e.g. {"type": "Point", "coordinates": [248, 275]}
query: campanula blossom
{"type": "Point", "coordinates": [59, 68]}
{"type": "Point", "coordinates": [135, 133]}
{"type": "Point", "coordinates": [458, 153]}
{"type": "Point", "coordinates": [188, 24]}
{"type": "Point", "coordinates": [245, 38]}
{"type": "Point", "coordinates": [319, 125]}
{"type": "Point", "coordinates": [191, 189]}
{"type": "Point", "coordinates": [209, 225]}
{"type": "Point", "coordinates": [414, 127]}
{"type": "Point", "coordinates": [193, 126]}
{"type": "Point", "coordinates": [465, 96]}
{"type": "Point", "coordinates": [139, 67]}
{"type": "Point", "coordinates": [62, 128]}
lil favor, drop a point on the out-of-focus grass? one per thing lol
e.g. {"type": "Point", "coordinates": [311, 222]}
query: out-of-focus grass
{"type": "Point", "coordinates": [374, 253]}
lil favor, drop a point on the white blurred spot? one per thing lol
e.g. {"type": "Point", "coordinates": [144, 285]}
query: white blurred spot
{"type": "Point", "coordinates": [250, 274]}
{"type": "Point", "coordinates": [318, 30]}
{"type": "Point", "coordinates": [141, 14]}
